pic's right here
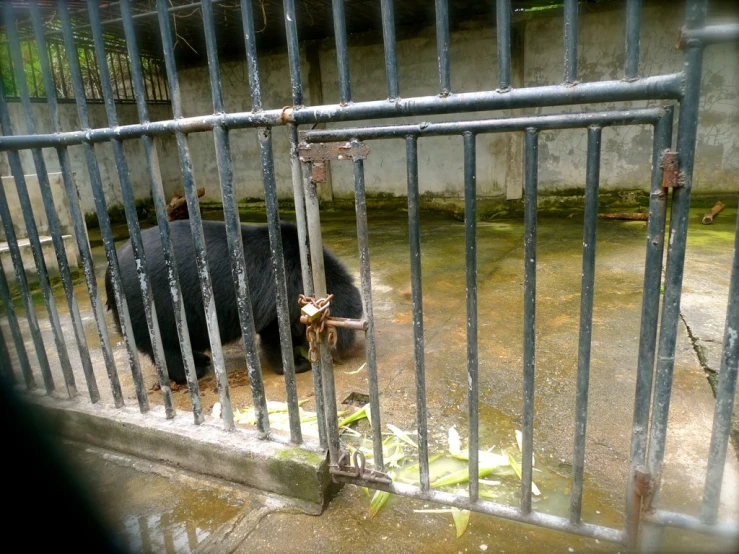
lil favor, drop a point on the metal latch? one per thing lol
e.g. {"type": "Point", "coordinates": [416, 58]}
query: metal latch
{"type": "Point", "coordinates": [668, 163]}
{"type": "Point", "coordinates": [344, 468]}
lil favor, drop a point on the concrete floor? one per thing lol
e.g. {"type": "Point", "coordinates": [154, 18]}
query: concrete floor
{"type": "Point", "coordinates": [619, 274]}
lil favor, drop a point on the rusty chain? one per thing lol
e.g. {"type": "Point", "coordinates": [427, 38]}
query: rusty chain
{"type": "Point", "coordinates": [316, 322]}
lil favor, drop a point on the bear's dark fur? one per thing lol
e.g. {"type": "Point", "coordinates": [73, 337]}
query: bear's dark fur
{"type": "Point", "coordinates": [257, 254]}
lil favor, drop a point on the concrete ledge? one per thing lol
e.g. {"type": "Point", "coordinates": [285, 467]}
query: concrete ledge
{"type": "Point", "coordinates": [47, 248]}
{"type": "Point", "coordinates": [239, 456]}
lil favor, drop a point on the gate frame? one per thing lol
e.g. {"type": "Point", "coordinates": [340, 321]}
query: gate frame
{"type": "Point", "coordinates": [646, 454]}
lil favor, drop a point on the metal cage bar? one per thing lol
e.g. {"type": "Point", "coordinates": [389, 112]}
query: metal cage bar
{"type": "Point", "coordinates": [662, 141]}
{"type": "Point", "coordinates": [686, 141]}
{"type": "Point", "coordinates": [17, 171]}
{"type": "Point", "coordinates": [360, 202]}
{"type": "Point", "coordinates": [663, 87]}
{"type": "Point", "coordinates": [725, 393]}
{"type": "Point", "coordinates": [54, 226]}
{"type": "Point", "coordinates": [470, 240]}
{"type": "Point", "coordinates": [102, 211]}
{"type": "Point", "coordinates": [442, 47]}
{"type": "Point", "coordinates": [157, 193]}
{"type": "Point", "coordinates": [503, 33]}
{"type": "Point", "coordinates": [389, 42]}
{"type": "Point", "coordinates": [342, 51]}
{"type": "Point", "coordinates": [6, 366]}
{"type": "Point", "coordinates": [531, 154]}
{"type": "Point", "coordinates": [570, 40]}
{"type": "Point", "coordinates": [252, 65]}
{"type": "Point", "coordinates": [414, 230]}
{"type": "Point", "coordinates": [592, 184]}
{"type": "Point", "coordinates": [302, 184]}
{"type": "Point", "coordinates": [293, 51]}
{"type": "Point", "coordinates": [15, 331]}
{"type": "Point", "coordinates": [78, 224]}
{"type": "Point", "coordinates": [196, 224]}
{"type": "Point", "coordinates": [633, 36]}
{"type": "Point", "coordinates": [129, 206]}
{"type": "Point", "coordinates": [239, 270]}
{"type": "Point", "coordinates": [315, 240]}
{"type": "Point", "coordinates": [278, 266]}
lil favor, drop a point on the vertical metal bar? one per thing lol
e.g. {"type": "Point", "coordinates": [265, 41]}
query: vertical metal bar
{"type": "Point", "coordinates": [28, 216]}
{"type": "Point", "coordinates": [60, 65]}
{"type": "Point", "coordinates": [106, 231]}
{"type": "Point", "coordinates": [93, 87]}
{"type": "Point", "coordinates": [50, 208]}
{"type": "Point", "coordinates": [442, 46]}
{"type": "Point", "coordinates": [22, 80]}
{"type": "Point", "coordinates": [6, 366]}
{"type": "Point", "coordinates": [22, 282]}
{"type": "Point", "coordinates": [342, 51]}
{"type": "Point", "coordinates": [196, 224]}
{"type": "Point", "coordinates": [278, 265]}
{"type": "Point", "coordinates": [366, 278]}
{"type": "Point", "coordinates": [633, 34]}
{"type": "Point", "coordinates": [109, 61]}
{"type": "Point", "coordinates": [313, 219]}
{"type": "Point", "coordinates": [54, 79]}
{"type": "Point", "coordinates": [80, 230]}
{"type": "Point", "coordinates": [160, 206]}
{"type": "Point", "coordinates": [15, 331]}
{"type": "Point", "coordinates": [686, 139]}
{"type": "Point", "coordinates": [531, 154]}
{"type": "Point", "coordinates": [570, 35]}
{"type": "Point", "coordinates": [151, 72]}
{"type": "Point", "coordinates": [414, 228]}
{"type": "Point", "coordinates": [470, 225]}
{"type": "Point", "coordinates": [725, 393]}
{"type": "Point", "coordinates": [252, 64]}
{"type": "Point", "coordinates": [391, 57]}
{"type": "Point", "coordinates": [649, 319]}
{"type": "Point", "coordinates": [301, 183]}
{"type": "Point", "coordinates": [123, 76]}
{"type": "Point", "coordinates": [592, 183]}
{"type": "Point", "coordinates": [129, 205]}
{"type": "Point", "coordinates": [157, 76]}
{"type": "Point", "coordinates": [236, 248]}
{"type": "Point", "coordinates": [503, 31]}
{"type": "Point", "coordinates": [293, 52]}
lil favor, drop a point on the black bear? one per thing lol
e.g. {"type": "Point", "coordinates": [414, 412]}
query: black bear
{"type": "Point", "coordinates": [347, 301]}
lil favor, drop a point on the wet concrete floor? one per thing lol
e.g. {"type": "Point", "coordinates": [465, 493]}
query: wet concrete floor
{"type": "Point", "coordinates": [617, 312]}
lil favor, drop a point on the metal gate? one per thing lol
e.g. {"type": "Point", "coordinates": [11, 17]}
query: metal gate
{"type": "Point", "coordinates": [672, 170]}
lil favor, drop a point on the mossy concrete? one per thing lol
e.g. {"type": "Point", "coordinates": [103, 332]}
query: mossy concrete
{"type": "Point", "coordinates": [238, 457]}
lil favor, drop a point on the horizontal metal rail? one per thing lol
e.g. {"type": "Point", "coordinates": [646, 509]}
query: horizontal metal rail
{"type": "Point", "coordinates": [665, 518]}
{"type": "Point", "coordinates": [664, 87]}
{"type": "Point", "coordinates": [541, 122]}
{"type": "Point", "coordinates": [495, 509]}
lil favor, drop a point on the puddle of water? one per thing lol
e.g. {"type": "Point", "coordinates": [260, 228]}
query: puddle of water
{"type": "Point", "coordinates": [151, 514]}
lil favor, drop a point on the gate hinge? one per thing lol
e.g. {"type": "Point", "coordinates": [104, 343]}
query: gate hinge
{"type": "Point", "coordinates": [344, 468]}
{"type": "Point", "coordinates": [668, 163]}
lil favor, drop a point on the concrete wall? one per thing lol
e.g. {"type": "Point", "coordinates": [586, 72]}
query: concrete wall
{"type": "Point", "coordinates": [133, 148]}
{"type": "Point", "coordinates": [626, 158]}
{"type": "Point", "coordinates": [537, 61]}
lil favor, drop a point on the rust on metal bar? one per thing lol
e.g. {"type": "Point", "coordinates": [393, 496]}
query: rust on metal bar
{"type": "Point", "coordinates": [327, 151]}
{"type": "Point", "coordinates": [318, 172]}
{"type": "Point", "coordinates": [642, 501]}
{"type": "Point", "coordinates": [670, 170]}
